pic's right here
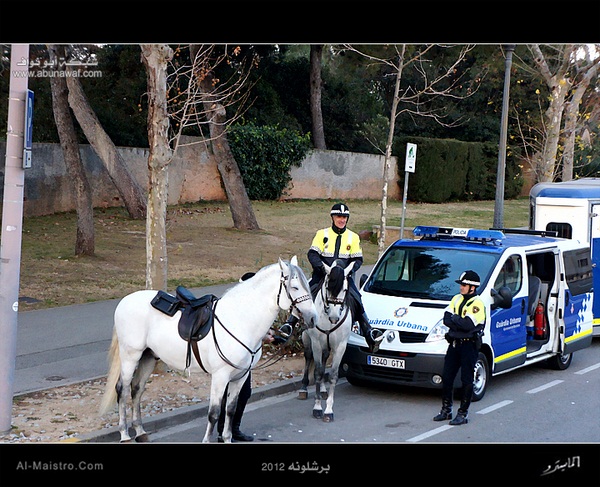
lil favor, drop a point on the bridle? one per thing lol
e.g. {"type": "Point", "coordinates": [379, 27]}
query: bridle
{"type": "Point", "coordinates": [327, 301]}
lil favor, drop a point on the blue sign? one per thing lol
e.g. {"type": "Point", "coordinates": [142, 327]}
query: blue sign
{"type": "Point", "coordinates": [28, 131]}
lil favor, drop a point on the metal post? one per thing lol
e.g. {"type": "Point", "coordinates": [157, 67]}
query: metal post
{"type": "Point", "coordinates": [500, 175]}
{"type": "Point", "coordinates": [12, 222]}
{"type": "Point", "coordinates": [404, 203]}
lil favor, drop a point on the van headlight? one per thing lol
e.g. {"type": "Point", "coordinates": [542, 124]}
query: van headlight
{"type": "Point", "coordinates": [438, 332]}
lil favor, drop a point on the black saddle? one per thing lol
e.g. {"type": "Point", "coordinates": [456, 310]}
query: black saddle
{"type": "Point", "coordinates": [197, 314]}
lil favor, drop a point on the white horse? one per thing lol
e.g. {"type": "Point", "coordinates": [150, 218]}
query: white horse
{"type": "Point", "coordinates": [329, 335]}
{"type": "Point", "coordinates": [242, 317]}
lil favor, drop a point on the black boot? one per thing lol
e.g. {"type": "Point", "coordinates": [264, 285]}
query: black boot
{"type": "Point", "coordinates": [237, 435]}
{"type": "Point", "coordinates": [461, 418]}
{"type": "Point", "coordinates": [463, 410]}
{"type": "Point", "coordinates": [446, 411]}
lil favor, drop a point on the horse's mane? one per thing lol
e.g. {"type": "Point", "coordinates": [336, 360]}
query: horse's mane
{"type": "Point", "coordinates": [336, 280]}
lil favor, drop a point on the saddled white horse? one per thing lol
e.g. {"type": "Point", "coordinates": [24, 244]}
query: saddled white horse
{"type": "Point", "coordinates": [328, 337]}
{"type": "Point", "coordinates": [242, 317]}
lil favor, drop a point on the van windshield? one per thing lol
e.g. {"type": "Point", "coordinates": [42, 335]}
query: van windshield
{"type": "Point", "coordinates": [427, 272]}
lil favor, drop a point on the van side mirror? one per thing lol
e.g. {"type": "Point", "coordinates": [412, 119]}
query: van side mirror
{"type": "Point", "coordinates": [502, 298]}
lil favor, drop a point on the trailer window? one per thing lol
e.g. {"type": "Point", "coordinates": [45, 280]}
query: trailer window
{"type": "Point", "coordinates": [564, 230]}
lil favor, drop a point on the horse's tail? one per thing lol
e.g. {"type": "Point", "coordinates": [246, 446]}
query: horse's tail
{"type": "Point", "coordinates": [110, 392]}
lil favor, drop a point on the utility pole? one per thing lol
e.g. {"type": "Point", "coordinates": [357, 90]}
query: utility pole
{"type": "Point", "coordinates": [500, 175]}
{"type": "Point", "coordinates": [12, 228]}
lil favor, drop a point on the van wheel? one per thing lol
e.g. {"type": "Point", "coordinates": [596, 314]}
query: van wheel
{"type": "Point", "coordinates": [482, 376]}
{"type": "Point", "coordinates": [561, 361]}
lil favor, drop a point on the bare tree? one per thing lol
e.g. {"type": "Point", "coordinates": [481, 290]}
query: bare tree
{"type": "Point", "coordinates": [559, 83]}
{"type": "Point", "coordinates": [568, 76]}
{"type": "Point", "coordinates": [156, 58]}
{"type": "Point", "coordinates": [414, 100]}
{"type": "Point", "coordinates": [85, 238]}
{"type": "Point", "coordinates": [316, 86]}
{"type": "Point", "coordinates": [586, 71]}
{"type": "Point", "coordinates": [133, 197]}
{"type": "Point", "coordinates": [204, 102]}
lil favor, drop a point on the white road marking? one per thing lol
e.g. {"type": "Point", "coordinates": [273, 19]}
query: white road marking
{"type": "Point", "coordinates": [493, 407]}
{"type": "Point", "coordinates": [429, 433]}
{"type": "Point", "coordinates": [587, 369]}
{"type": "Point", "coordinates": [544, 387]}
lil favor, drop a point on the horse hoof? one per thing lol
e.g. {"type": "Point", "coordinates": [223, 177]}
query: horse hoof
{"type": "Point", "coordinates": [324, 396]}
{"type": "Point", "coordinates": [302, 395]}
{"type": "Point", "coordinates": [317, 413]}
{"type": "Point", "coordinates": [142, 438]}
{"type": "Point", "coordinates": [127, 440]}
{"type": "Point", "coordinates": [328, 418]}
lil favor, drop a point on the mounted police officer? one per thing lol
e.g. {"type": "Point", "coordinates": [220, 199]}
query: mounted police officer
{"type": "Point", "coordinates": [328, 245]}
{"type": "Point", "coordinates": [465, 317]}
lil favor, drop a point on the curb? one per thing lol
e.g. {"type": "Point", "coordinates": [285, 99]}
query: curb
{"type": "Point", "coordinates": [152, 424]}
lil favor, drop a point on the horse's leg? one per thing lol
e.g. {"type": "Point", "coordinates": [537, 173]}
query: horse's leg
{"type": "Point", "coordinates": [217, 389]}
{"type": "Point", "coordinates": [142, 373]}
{"type": "Point", "coordinates": [308, 365]}
{"type": "Point", "coordinates": [128, 365]}
{"type": "Point", "coordinates": [333, 378]}
{"type": "Point", "coordinates": [233, 391]}
{"type": "Point", "coordinates": [319, 375]}
{"type": "Point", "coordinates": [324, 381]}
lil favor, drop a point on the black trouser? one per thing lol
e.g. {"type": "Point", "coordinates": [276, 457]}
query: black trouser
{"type": "Point", "coordinates": [460, 355]}
{"type": "Point", "coordinates": [236, 421]}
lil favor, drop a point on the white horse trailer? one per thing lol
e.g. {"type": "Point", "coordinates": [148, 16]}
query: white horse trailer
{"type": "Point", "coordinates": [572, 210]}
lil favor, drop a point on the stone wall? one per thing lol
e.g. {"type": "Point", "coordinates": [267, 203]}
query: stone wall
{"type": "Point", "coordinates": [193, 176]}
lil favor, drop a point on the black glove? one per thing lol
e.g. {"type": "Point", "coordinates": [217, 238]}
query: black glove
{"type": "Point", "coordinates": [448, 339]}
{"type": "Point", "coordinates": [447, 318]}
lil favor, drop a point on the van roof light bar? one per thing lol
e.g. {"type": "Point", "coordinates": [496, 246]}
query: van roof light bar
{"type": "Point", "coordinates": [464, 233]}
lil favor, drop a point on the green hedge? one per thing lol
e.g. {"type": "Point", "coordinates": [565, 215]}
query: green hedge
{"type": "Point", "coordinates": [447, 170]}
{"type": "Point", "coordinates": [265, 156]}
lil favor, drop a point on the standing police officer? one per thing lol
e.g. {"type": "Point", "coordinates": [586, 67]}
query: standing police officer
{"type": "Point", "coordinates": [465, 318]}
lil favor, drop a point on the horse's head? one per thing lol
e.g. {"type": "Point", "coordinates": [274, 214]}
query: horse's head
{"type": "Point", "coordinates": [335, 290]}
{"type": "Point", "coordinates": [298, 292]}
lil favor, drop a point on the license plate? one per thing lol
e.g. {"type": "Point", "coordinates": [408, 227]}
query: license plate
{"type": "Point", "coordinates": [393, 363]}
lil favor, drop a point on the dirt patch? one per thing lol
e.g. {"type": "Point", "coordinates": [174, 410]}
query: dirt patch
{"type": "Point", "coordinates": [64, 413]}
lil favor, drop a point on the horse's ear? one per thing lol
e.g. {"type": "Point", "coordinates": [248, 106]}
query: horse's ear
{"type": "Point", "coordinates": [348, 269]}
{"type": "Point", "coordinates": [281, 263]}
{"type": "Point", "coordinates": [327, 268]}
{"type": "Point", "coordinates": [294, 260]}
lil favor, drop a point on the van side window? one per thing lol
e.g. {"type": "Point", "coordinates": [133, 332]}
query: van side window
{"type": "Point", "coordinates": [564, 230]}
{"type": "Point", "coordinates": [511, 275]}
{"type": "Point", "coordinates": [578, 267]}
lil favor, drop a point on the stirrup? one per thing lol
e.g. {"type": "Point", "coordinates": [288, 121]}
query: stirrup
{"type": "Point", "coordinates": [286, 330]}
{"type": "Point", "coordinates": [376, 335]}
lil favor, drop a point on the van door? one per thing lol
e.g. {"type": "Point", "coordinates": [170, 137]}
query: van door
{"type": "Point", "coordinates": [578, 282]}
{"type": "Point", "coordinates": [508, 326]}
{"type": "Point", "coordinates": [595, 248]}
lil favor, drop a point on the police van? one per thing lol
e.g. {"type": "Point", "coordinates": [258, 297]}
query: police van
{"type": "Point", "coordinates": [572, 210]}
{"type": "Point", "coordinates": [537, 290]}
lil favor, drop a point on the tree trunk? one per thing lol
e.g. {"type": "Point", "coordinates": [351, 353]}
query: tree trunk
{"type": "Point", "coordinates": [155, 58]}
{"type": "Point", "coordinates": [571, 118]}
{"type": "Point", "coordinates": [233, 184]}
{"type": "Point", "coordinates": [129, 189]}
{"type": "Point", "coordinates": [85, 239]}
{"type": "Point", "coordinates": [559, 85]}
{"type": "Point", "coordinates": [316, 85]}
{"type": "Point", "coordinates": [388, 153]}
